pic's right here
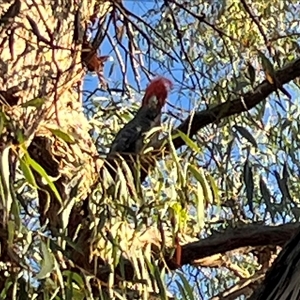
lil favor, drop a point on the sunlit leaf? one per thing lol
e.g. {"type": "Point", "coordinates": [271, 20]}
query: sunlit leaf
{"type": "Point", "coordinates": [190, 143]}
{"type": "Point", "coordinates": [47, 264]}
{"type": "Point", "coordinates": [5, 176]}
{"type": "Point", "coordinates": [200, 206]}
{"type": "Point", "coordinates": [68, 138]}
{"type": "Point", "coordinates": [3, 120]}
{"type": "Point", "coordinates": [200, 177]}
{"type": "Point", "coordinates": [59, 275]}
{"type": "Point", "coordinates": [66, 211]}
{"type": "Point", "coordinates": [27, 173]}
{"type": "Point", "coordinates": [39, 169]}
{"type": "Point", "coordinates": [215, 189]}
{"type": "Point", "coordinates": [157, 275]}
{"type": "Point", "coordinates": [181, 175]}
{"type": "Point", "coordinates": [37, 103]}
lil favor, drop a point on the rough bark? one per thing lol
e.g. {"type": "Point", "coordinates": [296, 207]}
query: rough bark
{"type": "Point", "coordinates": [282, 281]}
{"type": "Point", "coordinates": [209, 252]}
{"type": "Point", "coordinates": [39, 60]}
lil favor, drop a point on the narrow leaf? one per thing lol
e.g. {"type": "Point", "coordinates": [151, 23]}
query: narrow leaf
{"type": "Point", "coordinates": [11, 232]}
{"type": "Point", "coordinates": [65, 215]}
{"type": "Point", "coordinates": [267, 66]}
{"type": "Point", "coordinates": [37, 103]}
{"type": "Point", "coordinates": [4, 292]}
{"type": "Point", "coordinates": [2, 122]}
{"type": "Point", "coordinates": [181, 177]}
{"type": "Point", "coordinates": [5, 180]}
{"type": "Point", "coordinates": [200, 206]}
{"type": "Point", "coordinates": [47, 262]}
{"type": "Point", "coordinates": [251, 73]}
{"type": "Point", "coordinates": [20, 136]}
{"type": "Point", "coordinates": [282, 184]}
{"type": "Point", "coordinates": [265, 192]}
{"type": "Point", "coordinates": [62, 135]}
{"type": "Point", "coordinates": [189, 142]}
{"type": "Point", "coordinates": [74, 276]}
{"type": "Point", "coordinates": [215, 189]}
{"type": "Point", "coordinates": [249, 182]}
{"type": "Point", "coordinates": [200, 177]}
{"type": "Point", "coordinates": [160, 283]}
{"type": "Point", "coordinates": [246, 134]}
{"type": "Point", "coordinates": [187, 287]}
{"type": "Point", "coordinates": [27, 173]}
{"type": "Point", "coordinates": [39, 169]}
{"type": "Point", "coordinates": [182, 291]}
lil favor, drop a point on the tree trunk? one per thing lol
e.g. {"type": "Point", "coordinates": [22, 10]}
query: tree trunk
{"type": "Point", "coordinates": [41, 78]}
{"type": "Point", "coordinates": [282, 281]}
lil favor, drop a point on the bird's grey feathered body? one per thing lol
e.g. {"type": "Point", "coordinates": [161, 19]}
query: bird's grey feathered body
{"type": "Point", "coordinates": [130, 138]}
{"type": "Point", "coordinates": [129, 141]}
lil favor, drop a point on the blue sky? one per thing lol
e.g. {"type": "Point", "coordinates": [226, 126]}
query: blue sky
{"type": "Point", "coordinates": [91, 83]}
{"type": "Point", "coordinates": [186, 102]}
{"type": "Point", "coordinates": [113, 68]}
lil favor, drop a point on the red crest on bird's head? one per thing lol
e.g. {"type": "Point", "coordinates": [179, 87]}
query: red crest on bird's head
{"type": "Point", "coordinates": [158, 87]}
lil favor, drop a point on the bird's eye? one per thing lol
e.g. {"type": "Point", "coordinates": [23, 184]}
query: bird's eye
{"type": "Point", "coordinates": [153, 100]}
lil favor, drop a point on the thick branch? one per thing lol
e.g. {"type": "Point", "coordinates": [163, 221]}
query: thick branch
{"type": "Point", "coordinates": [244, 103]}
{"type": "Point", "coordinates": [251, 235]}
{"type": "Point", "coordinates": [282, 279]}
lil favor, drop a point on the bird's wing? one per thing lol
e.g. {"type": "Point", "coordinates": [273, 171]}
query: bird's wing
{"type": "Point", "coordinates": [126, 139]}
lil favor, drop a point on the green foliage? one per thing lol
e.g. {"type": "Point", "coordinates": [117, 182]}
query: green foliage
{"type": "Point", "coordinates": [37, 103]}
{"type": "Point", "coordinates": [240, 170]}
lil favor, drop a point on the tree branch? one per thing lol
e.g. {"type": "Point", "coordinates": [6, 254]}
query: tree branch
{"type": "Point", "coordinates": [244, 287]}
{"type": "Point", "coordinates": [282, 279]}
{"type": "Point", "coordinates": [250, 235]}
{"type": "Point", "coordinates": [244, 103]}
{"type": "Point", "coordinates": [233, 238]}
{"type": "Point", "coordinates": [201, 119]}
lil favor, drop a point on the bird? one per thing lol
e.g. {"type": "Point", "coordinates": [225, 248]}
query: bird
{"type": "Point", "coordinates": [129, 141]}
